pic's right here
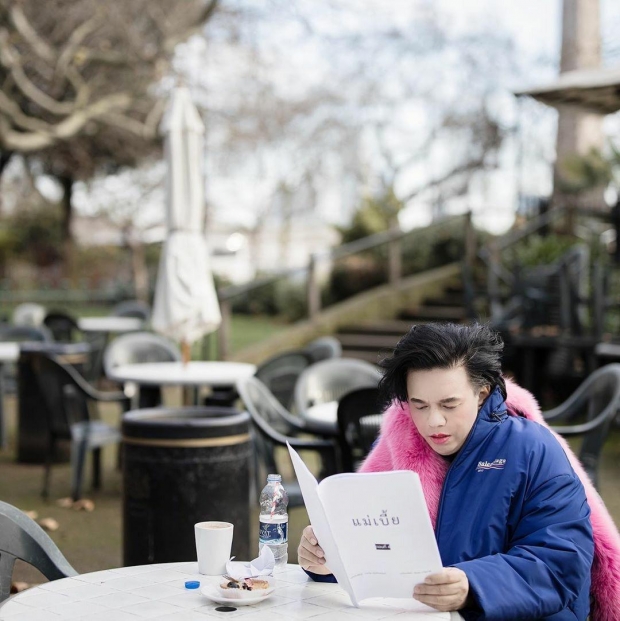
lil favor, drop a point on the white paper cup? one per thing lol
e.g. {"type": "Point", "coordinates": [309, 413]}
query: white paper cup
{"type": "Point", "coordinates": [213, 546]}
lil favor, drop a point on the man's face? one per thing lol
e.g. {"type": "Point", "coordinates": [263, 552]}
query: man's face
{"type": "Point", "coordinates": [443, 406]}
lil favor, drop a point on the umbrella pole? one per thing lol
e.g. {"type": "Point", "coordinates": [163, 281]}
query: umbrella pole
{"type": "Point", "coordinates": [186, 353]}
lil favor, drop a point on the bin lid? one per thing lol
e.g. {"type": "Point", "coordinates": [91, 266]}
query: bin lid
{"type": "Point", "coordinates": [185, 423]}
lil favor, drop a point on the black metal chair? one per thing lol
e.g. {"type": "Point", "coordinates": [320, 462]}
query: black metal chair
{"type": "Point", "coordinates": [63, 326]}
{"type": "Point", "coordinates": [359, 424]}
{"type": "Point", "coordinates": [22, 538]}
{"type": "Point", "coordinates": [138, 348]}
{"type": "Point", "coordinates": [323, 348]}
{"type": "Point", "coordinates": [132, 308]}
{"type": "Point", "coordinates": [280, 374]}
{"type": "Point", "coordinates": [274, 427]}
{"type": "Point", "coordinates": [66, 400]}
{"type": "Point", "coordinates": [594, 405]}
{"type": "Point", "coordinates": [329, 380]}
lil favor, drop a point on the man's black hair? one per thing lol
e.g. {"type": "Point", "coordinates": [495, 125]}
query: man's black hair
{"type": "Point", "coordinates": [443, 346]}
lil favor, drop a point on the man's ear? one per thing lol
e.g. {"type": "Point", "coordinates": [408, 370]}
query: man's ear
{"type": "Point", "coordinates": [485, 391]}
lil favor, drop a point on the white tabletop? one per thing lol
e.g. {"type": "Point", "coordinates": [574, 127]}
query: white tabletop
{"type": "Point", "coordinates": [323, 412]}
{"type": "Point", "coordinates": [9, 352]}
{"type": "Point", "coordinates": [194, 373]}
{"type": "Point", "coordinates": [109, 323]}
{"type": "Point", "coordinates": [158, 591]}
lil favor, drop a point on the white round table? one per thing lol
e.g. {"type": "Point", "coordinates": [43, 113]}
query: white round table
{"type": "Point", "coordinates": [194, 373]}
{"type": "Point", "coordinates": [109, 323]}
{"type": "Point", "coordinates": [158, 591]}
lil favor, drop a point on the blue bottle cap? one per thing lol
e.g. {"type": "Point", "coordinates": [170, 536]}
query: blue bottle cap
{"type": "Point", "coordinates": [192, 584]}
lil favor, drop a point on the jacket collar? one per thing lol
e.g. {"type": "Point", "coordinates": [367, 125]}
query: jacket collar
{"type": "Point", "coordinates": [494, 407]}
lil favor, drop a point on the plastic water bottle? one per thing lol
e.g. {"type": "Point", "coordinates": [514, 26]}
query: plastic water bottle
{"type": "Point", "coordinates": [274, 519]}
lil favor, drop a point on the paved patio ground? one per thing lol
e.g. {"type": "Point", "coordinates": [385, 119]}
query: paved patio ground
{"type": "Point", "coordinates": [92, 541]}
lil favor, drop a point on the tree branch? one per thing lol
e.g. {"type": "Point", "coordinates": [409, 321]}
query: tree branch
{"type": "Point", "coordinates": [143, 130]}
{"type": "Point", "coordinates": [10, 60]}
{"type": "Point", "coordinates": [171, 42]}
{"type": "Point", "coordinates": [22, 25]}
{"type": "Point", "coordinates": [467, 167]}
{"type": "Point", "coordinates": [41, 138]}
{"type": "Point", "coordinates": [77, 36]}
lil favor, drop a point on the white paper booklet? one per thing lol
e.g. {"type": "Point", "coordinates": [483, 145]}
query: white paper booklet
{"type": "Point", "coordinates": [375, 531]}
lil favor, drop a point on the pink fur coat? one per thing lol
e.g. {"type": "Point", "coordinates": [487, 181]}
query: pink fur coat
{"type": "Point", "coordinates": [402, 448]}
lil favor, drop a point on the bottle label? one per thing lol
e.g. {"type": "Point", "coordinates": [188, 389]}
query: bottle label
{"type": "Point", "coordinates": [273, 533]}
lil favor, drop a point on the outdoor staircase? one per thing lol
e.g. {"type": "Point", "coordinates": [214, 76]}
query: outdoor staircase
{"type": "Point", "coordinates": [373, 340]}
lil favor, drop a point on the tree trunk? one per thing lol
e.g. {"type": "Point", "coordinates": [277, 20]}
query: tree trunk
{"type": "Point", "coordinates": [5, 157]}
{"type": "Point", "coordinates": [67, 215]}
{"type": "Point", "coordinates": [140, 271]}
{"type": "Point", "coordinates": [579, 131]}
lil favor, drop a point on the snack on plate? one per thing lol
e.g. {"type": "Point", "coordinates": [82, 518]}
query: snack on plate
{"type": "Point", "coordinates": [243, 587]}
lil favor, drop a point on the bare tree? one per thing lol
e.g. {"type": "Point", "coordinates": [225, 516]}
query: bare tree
{"type": "Point", "coordinates": [346, 113]}
{"type": "Point", "coordinates": [79, 82]}
{"type": "Point", "coordinates": [66, 64]}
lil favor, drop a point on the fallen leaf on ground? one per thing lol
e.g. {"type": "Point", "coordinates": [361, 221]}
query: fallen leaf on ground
{"type": "Point", "coordinates": [33, 515]}
{"type": "Point", "coordinates": [65, 503]}
{"type": "Point", "coordinates": [84, 505]}
{"type": "Point", "coordinates": [49, 524]}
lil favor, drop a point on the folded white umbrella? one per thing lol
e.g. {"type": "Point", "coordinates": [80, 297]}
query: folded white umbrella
{"type": "Point", "coordinates": [186, 306]}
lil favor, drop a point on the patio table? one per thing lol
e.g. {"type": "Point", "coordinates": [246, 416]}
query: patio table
{"type": "Point", "coordinates": [109, 323]}
{"type": "Point", "coordinates": [195, 373]}
{"type": "Point", "coordinates": [158, 591]}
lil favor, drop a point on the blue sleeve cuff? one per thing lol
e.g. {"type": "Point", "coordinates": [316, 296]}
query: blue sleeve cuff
{"type": "Point", "coordinates": [321, 577]}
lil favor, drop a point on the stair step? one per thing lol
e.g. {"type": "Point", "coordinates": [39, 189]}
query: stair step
{"type": "Point", "coordinates": [367, 341]}
{"type": "Point", "coordinates": [435, 313]}
{"type": "Point", "coordinates": [395, 327]}
{"type": "Point", "coordinates": [373, 356]}
{"type": "Point", "coordinates": [448, 299]}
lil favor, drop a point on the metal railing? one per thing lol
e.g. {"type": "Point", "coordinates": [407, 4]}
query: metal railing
{"type": "Point", "coordinates": [392, 239]}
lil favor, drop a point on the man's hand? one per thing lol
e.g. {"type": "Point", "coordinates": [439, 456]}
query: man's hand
{"type": "Point", "coordinates": [446, 590]}
{"type": "Point", "coordinates": [310, 556]}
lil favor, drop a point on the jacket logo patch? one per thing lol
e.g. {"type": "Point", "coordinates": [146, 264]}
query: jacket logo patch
{"type": "Point", "coordinates": [496, 464]}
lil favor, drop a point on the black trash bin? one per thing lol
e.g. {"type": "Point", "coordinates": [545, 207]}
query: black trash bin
{"type": "Point", "coordinates": [32, 435]}
{"type": "Point", "coordinates": [182, 466]}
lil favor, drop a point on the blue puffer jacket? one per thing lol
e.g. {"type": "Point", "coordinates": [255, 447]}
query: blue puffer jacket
{"type": "Point", "coordinates": [513, 516]}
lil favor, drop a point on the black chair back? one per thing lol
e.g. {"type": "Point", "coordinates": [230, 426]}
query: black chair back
{"type": "Point", "coordinates": [591, 410]}
{"type": "Point", "coordinates": [265, 412]}
{"type": "Point", "coordinates": [66, 398]}
{"type": "Point", "coordinates": [62, 401]}
{"type": "Point", "coordinates": [324, 348]}
{"type": "Point", "coordinates": [359, 424]}
{"type": "Point", "coordinates": [132, 308]}
{"type": "Point", "coordinates": [22, 538]}
{"type": "Point", "coordinates": [280, 374]}
{"type": "Point", "coordinates": [63, 326]}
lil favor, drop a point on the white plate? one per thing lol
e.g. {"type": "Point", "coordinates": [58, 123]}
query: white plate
{"type": "Point", "coordinates": [212, 592]}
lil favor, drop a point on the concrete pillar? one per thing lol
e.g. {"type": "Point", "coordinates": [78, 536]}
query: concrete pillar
{"type": "Point", "coordinates": [578, 131]}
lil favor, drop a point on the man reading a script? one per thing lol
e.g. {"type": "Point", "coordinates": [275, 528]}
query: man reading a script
{"type": "Point", "coordinates": [521, 531]}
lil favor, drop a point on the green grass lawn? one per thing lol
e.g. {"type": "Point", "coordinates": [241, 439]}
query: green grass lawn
{"type": "Point", "coordinates": [247, 330]}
